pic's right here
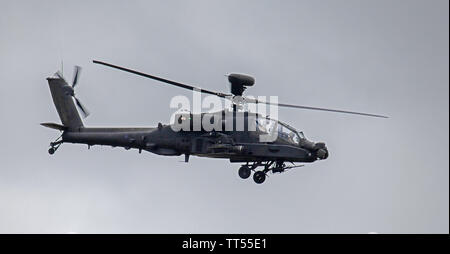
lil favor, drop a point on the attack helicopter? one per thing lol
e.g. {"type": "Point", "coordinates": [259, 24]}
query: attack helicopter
{"type": "Point", "coordinates": [277, 154]}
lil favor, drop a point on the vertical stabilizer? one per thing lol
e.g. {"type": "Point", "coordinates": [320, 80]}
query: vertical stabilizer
{"type": "Point", "coordinates": [64, 103]}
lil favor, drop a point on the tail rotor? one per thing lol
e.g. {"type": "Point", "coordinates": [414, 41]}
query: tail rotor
{"type": "Point", "coordinates": [71, 90]}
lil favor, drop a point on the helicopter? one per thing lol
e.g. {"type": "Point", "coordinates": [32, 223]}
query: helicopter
{"type": "Point", "coordinates": [285, 147]}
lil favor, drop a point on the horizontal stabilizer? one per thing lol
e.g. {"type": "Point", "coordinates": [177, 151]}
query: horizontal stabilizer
{"type": "Point", "coordinates": [54, 126]}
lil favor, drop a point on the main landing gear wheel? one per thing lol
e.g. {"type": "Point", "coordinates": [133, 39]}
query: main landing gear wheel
{"type": "Point", "coordinates": [244, 172]}
{"type": "Point", "coordinates": [259, 177]}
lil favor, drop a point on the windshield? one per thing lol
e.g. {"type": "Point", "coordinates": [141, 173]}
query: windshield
{"type": "Point", "coordinates": [287, 134]}
{"type": "Point", "coordinates": [284, 132]}
{"type": "Point", "coordinates": [301, 135]}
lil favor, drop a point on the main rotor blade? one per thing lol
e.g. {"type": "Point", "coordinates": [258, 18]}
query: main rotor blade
{"type": "Point", "coordinates": [82, 108]}
{"type": "Point", "coordinates": [313, 108]}
{"type": "Point", "coordinates": [75, 76]}
{"type": "Point", "coordinates": [174, 83]}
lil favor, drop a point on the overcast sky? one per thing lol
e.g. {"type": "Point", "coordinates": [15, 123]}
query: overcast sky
{"type": "Point", "coordinates": [380, 56]}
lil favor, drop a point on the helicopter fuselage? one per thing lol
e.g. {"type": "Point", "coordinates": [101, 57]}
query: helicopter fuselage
{"type": "Point", "coordinates": [237, 146]}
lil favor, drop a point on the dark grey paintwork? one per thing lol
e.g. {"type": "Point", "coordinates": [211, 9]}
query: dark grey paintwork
{"type": "Point", "coordinates": [62, 98]}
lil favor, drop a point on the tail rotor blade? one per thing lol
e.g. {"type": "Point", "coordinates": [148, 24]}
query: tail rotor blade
{"type": "Point", "coordinates": [82, 108]}
{"type": "Point", "coordinates": [58, 73]}
{"type": "Point", "coordinates": [76, 75]}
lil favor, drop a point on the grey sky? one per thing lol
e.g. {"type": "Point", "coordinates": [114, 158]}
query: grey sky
{"type": "Point", "coordinates": [387, 57]}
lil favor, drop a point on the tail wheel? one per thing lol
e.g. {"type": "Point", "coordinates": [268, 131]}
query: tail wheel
{"type": "Point", "coordinates": [259, 177]}
{"type": "Point", "coordinates": [244, 172]}
{"type": "Point", "coordinates": [54, 146]}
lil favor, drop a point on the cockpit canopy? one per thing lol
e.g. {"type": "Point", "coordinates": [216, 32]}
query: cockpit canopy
{"type": "Point", "coordinates": [285, 132]}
